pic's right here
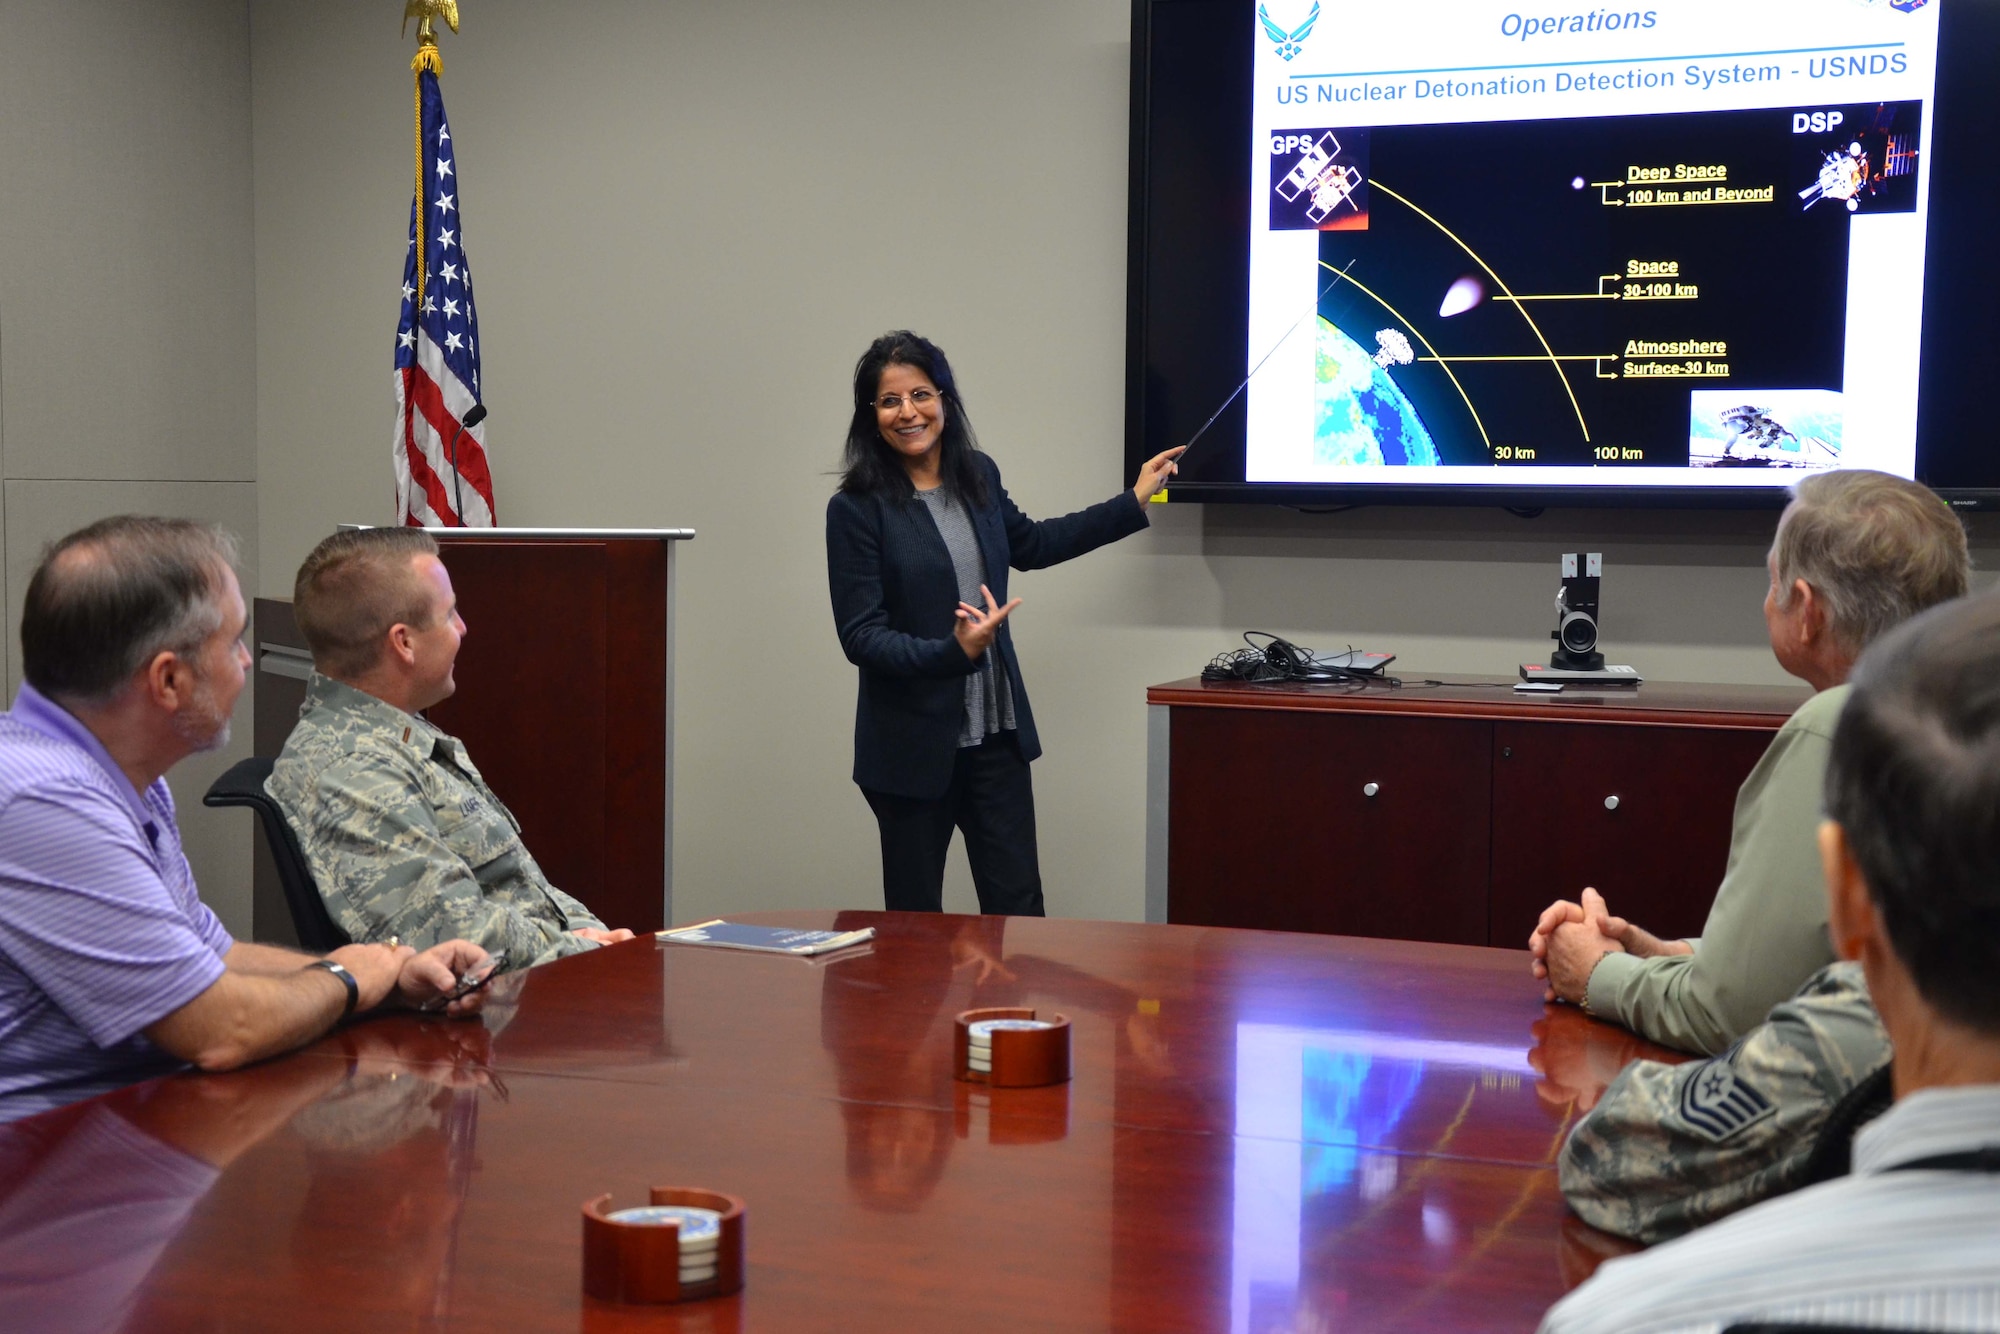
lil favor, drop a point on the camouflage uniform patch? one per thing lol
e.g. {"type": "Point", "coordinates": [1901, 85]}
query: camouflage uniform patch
{"type": "Point", "coordinates": [404, 837]}
{"type": "Point", "coordinates": [1671, 1147]}
{"type": "Point", "coordinates": [1715, 1104]}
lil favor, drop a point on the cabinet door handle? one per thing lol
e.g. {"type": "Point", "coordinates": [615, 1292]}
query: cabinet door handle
{"type": "Point", "coordinates": [1370, 789]}
{"type": "Point", "coordinates": [1611, 803]}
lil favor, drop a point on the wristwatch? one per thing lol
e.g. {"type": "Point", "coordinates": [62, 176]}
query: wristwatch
{"type": "Point", "coordinates": [346, 980]}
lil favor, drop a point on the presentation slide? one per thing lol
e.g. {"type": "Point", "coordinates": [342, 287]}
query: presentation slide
{"type": "Point", "coordinates": [1678, 245]}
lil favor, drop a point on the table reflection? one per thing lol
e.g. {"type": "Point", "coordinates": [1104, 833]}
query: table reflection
{"type": "Point", "coordinates": [95, 1195]}
{"type": "Point", "coordinates": [1340, 1138]}
{"type": "Point", "coordinates": [1578, 1057]}
{"type": "Point", "coordinates": [392, 1148]}
{"type": "Point", "coordinates": [886, 1021]}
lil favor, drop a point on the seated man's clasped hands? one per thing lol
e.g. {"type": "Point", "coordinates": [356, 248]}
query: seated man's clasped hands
{"type": "Point", "coordinates": [404, 838]}
{"type": "Point", "coordinates": [1571, 937]}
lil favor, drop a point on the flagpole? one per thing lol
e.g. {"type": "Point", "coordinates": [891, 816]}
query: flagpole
{"type": "Point", "coordinates": [418, 66]}
{"type": "Point", "coordinates": [429, 58]}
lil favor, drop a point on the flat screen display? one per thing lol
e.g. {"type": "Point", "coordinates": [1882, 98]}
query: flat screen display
{"type": "Point", "coordinates": [1683, 251]}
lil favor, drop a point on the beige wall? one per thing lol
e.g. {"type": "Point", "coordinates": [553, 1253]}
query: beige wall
{"type": "Point", "coordinates": [685, 223]}
{"type": "Point", "coordinates": [126, 349]}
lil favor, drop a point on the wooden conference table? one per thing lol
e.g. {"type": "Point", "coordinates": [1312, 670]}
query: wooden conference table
{"type": "Point", "coordinates": [1265, 1131]}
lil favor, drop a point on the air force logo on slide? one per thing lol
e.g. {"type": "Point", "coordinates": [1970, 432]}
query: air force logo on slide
{"type": "Point", "coordinates": [1290, 42]}
{"type": "Point", "coordinates": [1716, 1104]}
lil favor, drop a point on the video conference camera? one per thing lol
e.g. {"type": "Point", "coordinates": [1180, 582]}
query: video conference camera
{"type": "Point", "coordinates": [1576, 615]}
{"type": "Point", "coordinates": [1576, 659]}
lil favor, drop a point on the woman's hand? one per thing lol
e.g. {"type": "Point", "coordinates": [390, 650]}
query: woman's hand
{"type": "Point", "coordinates": [976, 628]}
{"type": "Point", "coordinates": [1155, 473]}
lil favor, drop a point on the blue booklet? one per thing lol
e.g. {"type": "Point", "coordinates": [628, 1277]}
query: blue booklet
{"type": "Point", "coordinates": [766, 939]}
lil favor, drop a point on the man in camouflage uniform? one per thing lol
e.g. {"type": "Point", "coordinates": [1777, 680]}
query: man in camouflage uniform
{"type": "Point", "coordinates": [403, 836]}
{"type": "Point", "coordinates": [1671, 1147]}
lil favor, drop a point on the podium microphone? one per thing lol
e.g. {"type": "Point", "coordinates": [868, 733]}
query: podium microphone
{"type": "Point", "coordinates": [467, 422]}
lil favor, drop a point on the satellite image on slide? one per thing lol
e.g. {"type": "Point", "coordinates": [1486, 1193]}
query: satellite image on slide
{"type": "Point", "coordinates": [1360, 417]}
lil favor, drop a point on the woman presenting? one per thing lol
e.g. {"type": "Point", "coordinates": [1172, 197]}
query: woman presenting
{"type": "Point", "coordinates": [918, 541]}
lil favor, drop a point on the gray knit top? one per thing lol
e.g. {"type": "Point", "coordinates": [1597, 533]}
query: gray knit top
{"type": "Point", "coordinates": [989, 701]}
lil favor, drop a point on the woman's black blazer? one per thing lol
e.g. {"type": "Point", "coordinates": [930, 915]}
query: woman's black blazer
{"type": "Point", "coordinates": [895, 598]}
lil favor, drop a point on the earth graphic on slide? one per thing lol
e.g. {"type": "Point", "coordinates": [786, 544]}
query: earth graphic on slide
{"type": "Point", "coordinates": [1360, 417]}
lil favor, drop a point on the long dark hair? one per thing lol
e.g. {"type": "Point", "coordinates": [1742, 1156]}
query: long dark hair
{"type": "Point", "coordinates": [869, 466]}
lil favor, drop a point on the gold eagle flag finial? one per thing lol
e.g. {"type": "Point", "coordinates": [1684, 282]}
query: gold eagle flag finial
{"type": "Point", "coordinates": [425, 12]}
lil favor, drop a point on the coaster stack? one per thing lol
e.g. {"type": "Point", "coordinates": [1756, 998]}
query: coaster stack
{"type": "Point", "coordinates": [687, 1244]}
{"type": "Point", "coordinates": [1010, 1047]}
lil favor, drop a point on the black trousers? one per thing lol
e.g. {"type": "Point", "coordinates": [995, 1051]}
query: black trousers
{"type": "Point", "coordinates": [992, 801]}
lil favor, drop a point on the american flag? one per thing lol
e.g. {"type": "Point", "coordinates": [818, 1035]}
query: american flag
{"type": "Point", "coordinates": [437, 348]}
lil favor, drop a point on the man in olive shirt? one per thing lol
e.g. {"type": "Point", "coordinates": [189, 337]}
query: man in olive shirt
{"type": "Point", "coordinates": [404, 838]}
{"type": "Point", "coordinates": [1856, 553]}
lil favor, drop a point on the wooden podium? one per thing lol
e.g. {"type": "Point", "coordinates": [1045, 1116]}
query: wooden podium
{"type": "Point", "coordinates": [565, 701]}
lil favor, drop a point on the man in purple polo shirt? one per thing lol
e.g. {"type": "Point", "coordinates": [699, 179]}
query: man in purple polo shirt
{"type": "Point", "coordinates": [111, 968]}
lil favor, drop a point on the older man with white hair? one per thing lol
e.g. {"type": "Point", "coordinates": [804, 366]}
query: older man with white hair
{"type": "Point", "coordinates": [111, 967]}
{"type": "Point", "coordinates": [1856, 553]}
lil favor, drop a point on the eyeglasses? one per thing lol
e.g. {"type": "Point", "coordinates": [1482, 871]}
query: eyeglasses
{"type": "Point", "coordinates": [918, 399]}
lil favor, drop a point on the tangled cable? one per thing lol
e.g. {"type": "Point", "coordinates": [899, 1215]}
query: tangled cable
{"type": "Point", "coordinates": [1279, 661]}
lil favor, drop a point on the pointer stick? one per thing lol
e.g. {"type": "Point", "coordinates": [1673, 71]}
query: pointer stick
{"type": "Point", "coordinates": [1338, 275]}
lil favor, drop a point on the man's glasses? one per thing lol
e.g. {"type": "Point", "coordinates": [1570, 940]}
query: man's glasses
{"type": "Point", "coordinates": [917, 398]}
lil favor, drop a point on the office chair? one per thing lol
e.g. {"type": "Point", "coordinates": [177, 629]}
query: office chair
{"type": "Point", "coordinates": [243, 785]}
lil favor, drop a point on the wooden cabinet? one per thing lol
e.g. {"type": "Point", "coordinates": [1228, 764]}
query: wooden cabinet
{"type": "Point", "coordinates": [1642, 813]}
{"type": "Point", "coordinates": [1451, 814]}
{"type": "Point", "coordinates": [1339, 823]}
